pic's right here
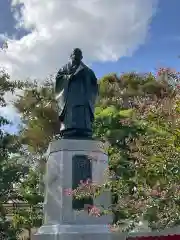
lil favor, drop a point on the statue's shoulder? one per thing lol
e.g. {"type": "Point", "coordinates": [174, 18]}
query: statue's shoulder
{"type": "Point", "coordinates": [88, 69]}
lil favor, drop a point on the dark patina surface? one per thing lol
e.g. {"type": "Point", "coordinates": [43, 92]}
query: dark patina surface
{"type": "Point", "coordinates": [76, 90]}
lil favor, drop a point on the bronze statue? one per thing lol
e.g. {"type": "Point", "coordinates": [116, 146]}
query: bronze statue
{"type": "Point", "coordinates": [76, 90]}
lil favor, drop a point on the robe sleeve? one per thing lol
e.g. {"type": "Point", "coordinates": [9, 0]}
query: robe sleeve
{"type": "Point", "coordinates": [93, 78]}
{"type": "Point", "coordinates": [59, 80]}
{"type": "Point", "coordinates": [94, 82]}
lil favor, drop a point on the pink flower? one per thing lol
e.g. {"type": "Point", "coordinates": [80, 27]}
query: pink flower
{"type": "Point", "coordinates": [68, 191]}
{"type": "Point", "coordinates": [112, 228]}
{"type": "Point", "coordinates": [81, 182]}
{"type": "Point", "coordinates": [93, 210]}
{"type": "Point", "coordinates": [154, 193]}
{"type": "Point", "coordinates": [88, 181]}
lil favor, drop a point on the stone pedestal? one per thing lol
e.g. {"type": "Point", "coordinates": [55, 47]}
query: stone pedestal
{"type": "Point", "coordinates": [61, 220]}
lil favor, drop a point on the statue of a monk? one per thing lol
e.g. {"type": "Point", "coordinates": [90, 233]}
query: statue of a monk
{"type": "Point", "coordinates": [76, 89]}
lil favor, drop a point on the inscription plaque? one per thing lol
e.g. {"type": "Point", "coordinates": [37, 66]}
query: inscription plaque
{"type": "Point", "coordinates": [81, 171]}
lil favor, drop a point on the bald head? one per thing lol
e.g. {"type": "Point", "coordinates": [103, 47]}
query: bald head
{"type": "Point", "coordinates": [76, 56]}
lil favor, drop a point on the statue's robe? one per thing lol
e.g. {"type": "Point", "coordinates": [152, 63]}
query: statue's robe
{"type": "Point", "coordinates": [76, 90]}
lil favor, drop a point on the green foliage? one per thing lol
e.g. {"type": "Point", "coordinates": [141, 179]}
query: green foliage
{"type": "Point", "coordinates": [11, 171]}
{"type": "Point", "coordinates": [31, 215]}
{"type": "Point", "coordinates": [137, 116]}
{"type": "Point", "coordinates": [139, 119]}
{"type": "Point", "coordinates": [39, 114]}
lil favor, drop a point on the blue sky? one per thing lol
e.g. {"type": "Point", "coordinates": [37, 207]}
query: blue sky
{"type": "Point", "coordinates": [161, 48]}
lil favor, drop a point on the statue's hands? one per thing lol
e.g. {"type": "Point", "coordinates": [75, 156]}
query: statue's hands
{"type": "Point", "coordinates": [66, 72]}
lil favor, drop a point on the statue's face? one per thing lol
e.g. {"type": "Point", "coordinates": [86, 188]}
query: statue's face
{"type": "Point", "coordinates": [76, 56]}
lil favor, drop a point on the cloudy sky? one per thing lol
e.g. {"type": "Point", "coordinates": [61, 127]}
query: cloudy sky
{"type": "Point", "coordinates": [115, 35]}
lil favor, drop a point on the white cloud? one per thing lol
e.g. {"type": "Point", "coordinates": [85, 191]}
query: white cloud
{"type": "Point", "coordinates": [103, 29]}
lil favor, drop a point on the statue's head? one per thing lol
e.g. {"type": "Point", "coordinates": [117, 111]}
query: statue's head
{"type": "Point", "coordinates": [76, 56]}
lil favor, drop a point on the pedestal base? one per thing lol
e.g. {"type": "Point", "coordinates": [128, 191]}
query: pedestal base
{"type": "Point", "coordinates": [63, 157]}
{"type": "Point", "coordinates": [73, 232]}
{"type": "Point", "coordinates": [63, 220]}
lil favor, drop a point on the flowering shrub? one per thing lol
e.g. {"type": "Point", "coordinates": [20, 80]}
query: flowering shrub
{"type": "Point", "coordinates": [143, 140]}
{"type": "Point", "coordinates": [140, 120]}
{"type": "Point", "coordinates": [137, 118]}
{"type": "Point", "coordinates": [88, 189]}
{"type": "Point", "coordinates": [85, 189]}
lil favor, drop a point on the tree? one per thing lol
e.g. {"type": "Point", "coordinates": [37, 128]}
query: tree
{"type": "Point", "coordinates": [31, 216]}
{"type": "Point", "coordinates": [19, 183]}
{"type": "Point", "coordinates": [11, 170]}
{"type": "Point", "coordinates": [132, 117]}
{"type": "Point", "coordinates": [136, 114]}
